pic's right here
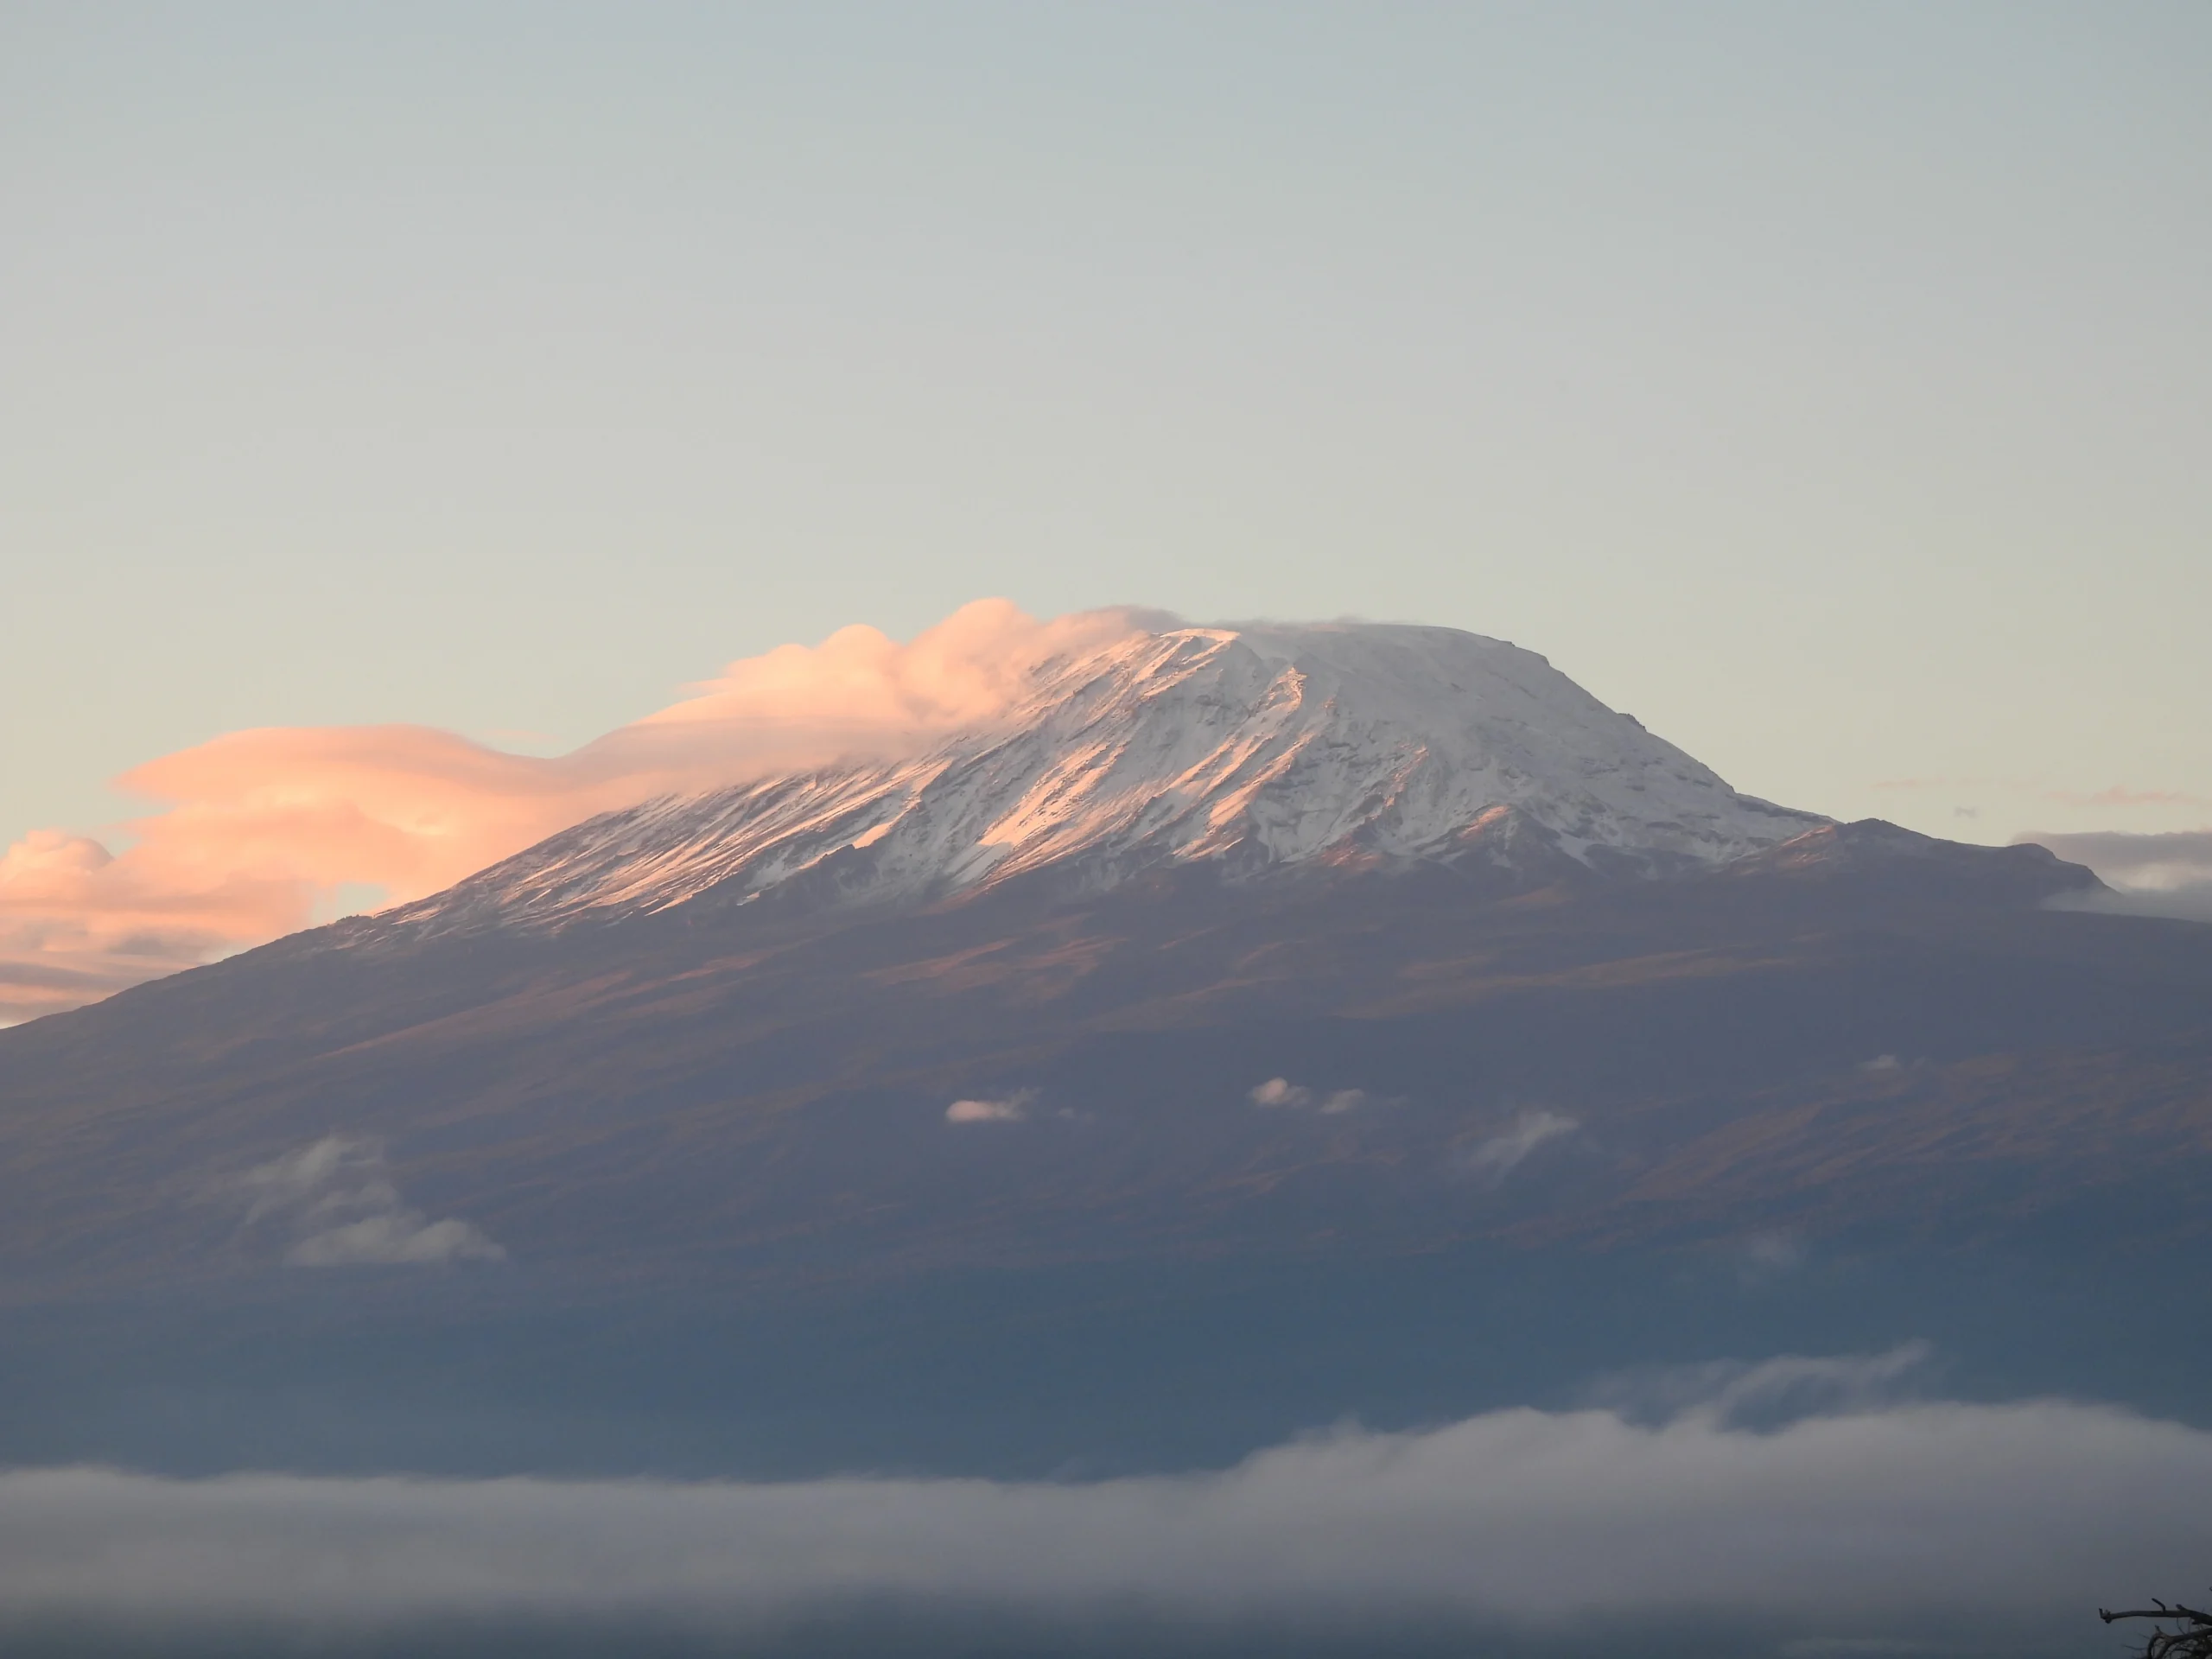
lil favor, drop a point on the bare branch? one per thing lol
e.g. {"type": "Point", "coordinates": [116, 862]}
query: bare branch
{"type": "Point", "coordinates": [2192, 1641]}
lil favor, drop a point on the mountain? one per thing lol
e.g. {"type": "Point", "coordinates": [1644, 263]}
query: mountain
{"type": "Point", "coordinates": [1231, 976]}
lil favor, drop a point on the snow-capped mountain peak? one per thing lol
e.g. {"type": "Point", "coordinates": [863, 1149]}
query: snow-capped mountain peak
{"type": "Point", "coordinates": [1258, 748]}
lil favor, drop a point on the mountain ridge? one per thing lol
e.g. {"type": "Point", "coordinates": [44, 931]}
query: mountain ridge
{"type": "Point", "coordinates": [1257, 749]}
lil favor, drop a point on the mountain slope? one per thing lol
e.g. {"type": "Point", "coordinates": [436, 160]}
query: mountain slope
{"type": "Point", "coordinates": [1406, 869]}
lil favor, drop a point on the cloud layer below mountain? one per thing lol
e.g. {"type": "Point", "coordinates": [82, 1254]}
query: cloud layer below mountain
{"type": "Point", "coordinates": [2168, 875]}
{"type": "Point", "coordinates": [1872, 1522]}
{"type": "Point", "coordinates": [258, 828]}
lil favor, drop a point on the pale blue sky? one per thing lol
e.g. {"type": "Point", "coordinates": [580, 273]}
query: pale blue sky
{"type": "Point", "coordinates": [1828, 386]}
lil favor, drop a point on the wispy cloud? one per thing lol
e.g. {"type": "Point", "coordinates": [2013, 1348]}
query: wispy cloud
{"type": "Point", "coordinates": [1735, 1395]}
{"type": "Point", "coordinates": [1499, 1155]}
{"type": "Point", "coordinates": [259, 827]}
{"type": "Point", "coordinates": [1859, 1522]}
{"type": "Point", "coordinates": [336, 1202]}
{"type": "Point", "coordinates": [1767, 1256]}
{"type": "Point", "coordinates": [2119, 795]}
{"type": "Point", "coordinates": [1283, 1092]}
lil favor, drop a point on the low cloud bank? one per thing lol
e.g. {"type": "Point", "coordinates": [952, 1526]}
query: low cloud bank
{"type": "Point", "coordinates": [1870, 1522]}
{"type": "Point", "coordinates": [2166, 875]}
{"type": "Point", "coordinates": [261, 827]}
{"type": "Point", "coordinates": [336, 1202]}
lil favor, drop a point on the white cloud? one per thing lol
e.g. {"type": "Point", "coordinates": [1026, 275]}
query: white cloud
{"type": "Point", "coordinates": [1869, 1523]}
{"type": "Point", "coordinates": [2166, 875]}
{"type": "Point", "coordinates": [337, 1202]}
{"type": "Point", "coordinates": [2151, 862]}
{"type": "Point", "coordinates": [1280, 1091]}
{"type": "Point", "coordinates": [399, 1239]}
{"type": "Point", "coordinates": [1012, 1109]}
{"type": "Point", "coordinates": [1502, 1154]}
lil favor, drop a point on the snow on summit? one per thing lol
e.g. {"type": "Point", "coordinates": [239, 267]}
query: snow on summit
{"type": "Point", "coordinates": [1257, 747]}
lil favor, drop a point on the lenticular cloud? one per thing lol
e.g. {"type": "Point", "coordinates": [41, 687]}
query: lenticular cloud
{"type": "Point", "coordinates": [1874, 1523]}
{"type": "Point", "coordinates": [260, 825]}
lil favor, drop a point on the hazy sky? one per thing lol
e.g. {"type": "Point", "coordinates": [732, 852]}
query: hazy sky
{"type": "Point", "coordinates": [1827, 386]}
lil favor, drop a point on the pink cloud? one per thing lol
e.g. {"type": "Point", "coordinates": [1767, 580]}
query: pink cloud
{"type": "Point", "coordinates": [259, 827]}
